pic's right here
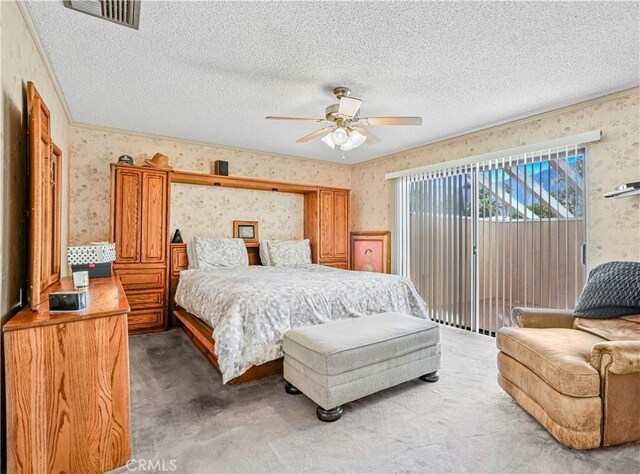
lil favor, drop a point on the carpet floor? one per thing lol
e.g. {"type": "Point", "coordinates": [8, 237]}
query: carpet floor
{"type": "Point", "coordinates": [185, 420]}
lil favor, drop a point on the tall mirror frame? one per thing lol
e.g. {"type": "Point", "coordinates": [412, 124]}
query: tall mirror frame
{"type": "Point", "coordinates": [45, 199]}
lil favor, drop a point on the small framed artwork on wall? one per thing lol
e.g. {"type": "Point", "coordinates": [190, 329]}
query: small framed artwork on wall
{"type": "Point", "coordinates": [371, 251]}
{"type": "Point", "coordinates": [246, 230]}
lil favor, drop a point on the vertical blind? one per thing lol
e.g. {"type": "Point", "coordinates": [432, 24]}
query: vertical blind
{"type": "Point", "coordinates": [479, 238]}
{"type": "Point", "coordinates": [440, 242]}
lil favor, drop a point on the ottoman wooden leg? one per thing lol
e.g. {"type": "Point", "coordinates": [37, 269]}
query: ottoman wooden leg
{"type": "Point", "coordinates": [329, 415]}
{"type": "Point", "coordinates": [431, 377]}
{"type": "Point", "coordinates": [291, 390]}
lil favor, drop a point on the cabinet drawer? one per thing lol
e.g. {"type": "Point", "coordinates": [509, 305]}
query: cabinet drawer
{"type": "Point", "coordinates": [145, 299]}
{"type": "Point", "coordinates": [142, 279]}
{"type": "Point", "coordinates": [143, 319]}
{"type": "Point", "coordinates": [341, 265]}
{"type": "Point", "coordinates": [179, 260]}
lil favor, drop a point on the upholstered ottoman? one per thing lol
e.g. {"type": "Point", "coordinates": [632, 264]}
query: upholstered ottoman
{"type": "Point", "coordinates": [341, 361]}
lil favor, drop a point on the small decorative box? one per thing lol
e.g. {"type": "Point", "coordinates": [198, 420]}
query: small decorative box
{"type": "Point", "coordinates": [95, 258]}
{"type": "Point", "coordinates": [97, 252]}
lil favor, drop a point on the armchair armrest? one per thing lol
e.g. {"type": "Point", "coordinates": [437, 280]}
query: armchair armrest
{"type": "Point", "coordinates": [616, 357]}
{"type": "Point", "coordinates": [618, 363]}
{"type": "Point", "coordinates": [542, 318]}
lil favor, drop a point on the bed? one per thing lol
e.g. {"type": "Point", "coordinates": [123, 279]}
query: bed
{"type": "Point", "coordinates": [247, 310]}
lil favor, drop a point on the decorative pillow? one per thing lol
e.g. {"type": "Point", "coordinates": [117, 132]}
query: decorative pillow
{"type": "Point", "coordinates": [191, 255]}
{"type": "Point", "coordinates": [218, 252]}
{"type": "Point", "coordinates": [264, 253]}
{"type": "Point", "coordinates": [612, 290]}
{"type": "Point", "coordinates": [289, 252]}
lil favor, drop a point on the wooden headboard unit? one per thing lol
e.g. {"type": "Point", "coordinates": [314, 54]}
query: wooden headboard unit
{"type": "Point", "coordinates": [180, 261]}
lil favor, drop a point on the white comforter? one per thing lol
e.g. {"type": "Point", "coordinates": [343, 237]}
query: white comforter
{"type": "Point", "coordinates": [251, 308]}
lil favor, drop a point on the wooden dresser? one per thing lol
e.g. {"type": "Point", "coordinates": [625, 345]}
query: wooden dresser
{"type": "Point", "coordinates": [67, 384]}
{"type": "Point", "coordinates": [139, 228]}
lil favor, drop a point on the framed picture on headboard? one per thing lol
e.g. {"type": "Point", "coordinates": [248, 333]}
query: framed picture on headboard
{"type": "Point", "coordinates": [246, 230]}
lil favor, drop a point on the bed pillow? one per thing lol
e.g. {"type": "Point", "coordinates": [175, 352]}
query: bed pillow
{"type": "Point", "coordinates": [289, 252]}
{"type": "Point", "coordinates": [218, 252]}
{"type": "Point", "coordinates": [612, 290]}
{"type": "Point", "coordinates": [191, 255]}
{"type": "Point", "coordinates": [264, 253]}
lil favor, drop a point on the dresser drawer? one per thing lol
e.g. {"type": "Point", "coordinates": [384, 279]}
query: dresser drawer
{"type": "Point", "coordinates": [142, 279]}
{"type": "Point", "coordinates": [340, 265]}
{"type": "Point", "coordinates": [146, 299]}
{"type": "Point", "coordinates": [145, 319]}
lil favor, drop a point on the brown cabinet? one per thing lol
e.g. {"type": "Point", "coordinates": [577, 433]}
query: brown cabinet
{"type": "Point", "coordinates": [67, 384]}
{"type": "Point", "coordinates": [327, 226]}
{"type": "Point", "coordinates": [154, 225]}
{"type": "Point", "coordinates": [127, 215]}
{"type": "Point", "coordinates": [340, 225]}
{"type": "Point", "coordinates": [326, 220]}
{"type": "Point", "coordinates": [140, 198]}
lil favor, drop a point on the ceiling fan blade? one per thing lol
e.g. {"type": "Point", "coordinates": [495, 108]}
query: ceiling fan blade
{"type": "Point", "coordinates": [313, 135]}
{"type": "Point", "coordinates": [349, 106]}
{"type": "Point", "coordinates": [377, 121]}
{"type": "Point", "coordinates": [371, 138]}
{"type": "Point", "coordinates": [301, 119]}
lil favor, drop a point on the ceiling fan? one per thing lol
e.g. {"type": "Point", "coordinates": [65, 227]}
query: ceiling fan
{"type": "Point", "coordinates": [346, 130]}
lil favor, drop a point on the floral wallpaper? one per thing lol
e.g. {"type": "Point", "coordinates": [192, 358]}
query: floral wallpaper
{"type": "Point", "coordinates": [613, 225]}
{"type": "Point", "coordinates": [195, 210]}
{"type": "Point", "coordinates": [20, 61]}
{"type": "Point", "coordinates": [279, 215]}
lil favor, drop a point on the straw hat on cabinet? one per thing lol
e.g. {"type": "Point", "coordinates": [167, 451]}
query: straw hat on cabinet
{"type": "Point", "coordinates": [159, 161]}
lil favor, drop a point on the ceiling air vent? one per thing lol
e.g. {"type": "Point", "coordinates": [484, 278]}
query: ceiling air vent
{"type": "Point", "coordinates": [122, 12]}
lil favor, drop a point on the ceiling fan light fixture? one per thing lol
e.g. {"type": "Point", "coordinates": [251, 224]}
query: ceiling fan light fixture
{"type": "Point", "coordinates": [355, 140]}
{"type": "Point", "coordinates": [347, 146]}
{"type": "Point", "coordinates": [327, 139]}
{"type": "Point", "coordinates": [340, 136]}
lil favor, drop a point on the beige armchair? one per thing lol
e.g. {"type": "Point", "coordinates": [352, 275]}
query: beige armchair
{"type": "Point", "coordinates": [580, 378]}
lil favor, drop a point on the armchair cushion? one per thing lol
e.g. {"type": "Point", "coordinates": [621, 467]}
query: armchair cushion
{"type": "Point", "coordinates": [626, 328]}
{"type": "Point", "coordinates": [612, 290]}
{"type": "Point", "coordinates": [560, 357]}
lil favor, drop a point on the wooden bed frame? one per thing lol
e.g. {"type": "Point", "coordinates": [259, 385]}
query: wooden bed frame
{"type": "Point", "coordinates": [200, 332]}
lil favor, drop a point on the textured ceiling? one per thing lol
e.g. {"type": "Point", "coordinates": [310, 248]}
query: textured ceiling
{"type": "Point", "coordinates": [211, 71]}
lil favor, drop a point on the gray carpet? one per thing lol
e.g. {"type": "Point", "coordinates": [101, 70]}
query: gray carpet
{"type": "Point", "coordinates": [463, 423]}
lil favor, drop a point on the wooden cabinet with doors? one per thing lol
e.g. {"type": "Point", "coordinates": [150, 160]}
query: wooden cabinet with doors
{"type": "Point", "coordinates": [139, 227]}
{"type": "Point", "coordinates": [327, 226]}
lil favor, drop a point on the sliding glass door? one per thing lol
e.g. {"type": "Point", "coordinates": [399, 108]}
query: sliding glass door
{"type": "Point", "coordinates": [441, 250]}
{"type": "Point", "coordinates": [483, 238]}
